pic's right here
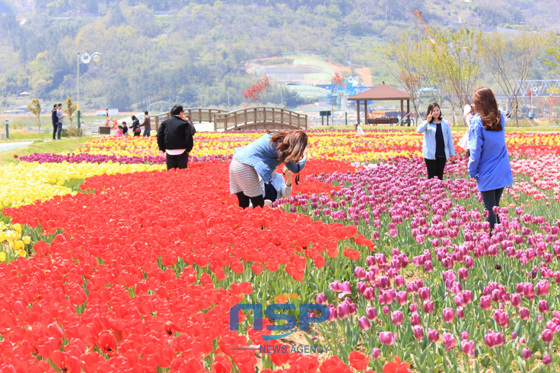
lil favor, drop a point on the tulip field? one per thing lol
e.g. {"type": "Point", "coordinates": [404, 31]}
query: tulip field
{"type": "Point", "coordinates": [109, 263]}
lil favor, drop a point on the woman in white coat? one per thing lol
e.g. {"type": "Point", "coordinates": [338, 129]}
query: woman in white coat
{"type": "Point", "coordinates": [437, 145]}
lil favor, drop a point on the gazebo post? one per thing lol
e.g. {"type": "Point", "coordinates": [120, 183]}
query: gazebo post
{"type": "Point", "coordinates": [402, 113]}
{"type": "Point", "coordinates": [408, 111]}
{"type": "Point", "coordinates": [358, 110]}
{"type": "Point", "coordinates": [365, 113]}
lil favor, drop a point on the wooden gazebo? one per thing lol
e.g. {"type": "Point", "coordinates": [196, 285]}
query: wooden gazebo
{"type": "Point", "coordinates": [381, 92]}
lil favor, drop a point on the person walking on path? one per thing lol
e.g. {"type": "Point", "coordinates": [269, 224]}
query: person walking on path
{"type": "Point", "coordinates": [175, 138]}
{"type": "Point", "coordinates": [489, 161]}
{"type": "Point", "coordinates": [261, 158]}
{"type": "Point", "coordinates": [147, 124]}
{"type": "Point", "coordinates": [437, 145]}
{"type": "Point", "coordinates": [54, 118]}
{"type": "Point", "coordinates": [61, 116]}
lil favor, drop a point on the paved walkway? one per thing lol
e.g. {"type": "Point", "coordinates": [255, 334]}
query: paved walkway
{"type": "Point", "coordinates": [14, 145]}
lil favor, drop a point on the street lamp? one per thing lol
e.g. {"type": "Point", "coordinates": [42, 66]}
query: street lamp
{"type": "Point", "coordinates": [85, 58]}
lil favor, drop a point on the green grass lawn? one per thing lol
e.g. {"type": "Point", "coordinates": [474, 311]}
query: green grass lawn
{"type": "Point", "coordinates": [56, 147]}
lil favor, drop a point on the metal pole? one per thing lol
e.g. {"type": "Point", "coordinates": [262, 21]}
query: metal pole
{"type": "Point", "coordinates": [7, 129]}
{"type": "Point", "coordinates": [78, 84]}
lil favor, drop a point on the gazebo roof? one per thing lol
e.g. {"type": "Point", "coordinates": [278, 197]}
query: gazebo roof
{"type": "Point", "coordinates": [381, 92]}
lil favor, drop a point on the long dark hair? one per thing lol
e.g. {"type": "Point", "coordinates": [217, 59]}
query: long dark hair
{"type": "Point", "coordinates": [290, 145]}
{"type": "Point", "coordinates": [486, 106]}
{"type": "Point", "coordinates": [430, 108]}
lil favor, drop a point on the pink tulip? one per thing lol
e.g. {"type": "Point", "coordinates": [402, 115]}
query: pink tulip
{"type": "Point", "coordinates": [364, 323]}
{"type": "Point", "coordinates": [397, 317]}
{"type": "Point", "coordinates": [343, 310]}
{"type": "Point", "coordinates": [526, 353]}
{"type": "Point", "coordinates": [418, 332]}
{"type": "Point", "coordinates": [371, 313]}
{"type": "Point", "coordinates": [385, 310]}
{"type": "Point", "coordinates": [468, 347]}
{"type": "Point", "coordinates": [402, 297]}
{"type": "Point", "coordinates": [461, 313]}
{"type": "Point", "coordinates": [415, 319]}
{"type": "Point", "coordinates": [485, 302]}
{"type": "Point", "coordinates": [494, 339]}
{"type": "Point", "coordinates": [433, 335]}
{"type": "Point", "coordinates": [542, 288]}
{"type": "Point", "coordinates": [543, 306]}
{"type": "Point", "coordinates": [428, 306]}
{"type": "Point", "coordinates": [464, 336]}
{"type": "Point", "coordinates": [523, 313]}
{"type": "Point", "coordinates": [424, 293]}
{"type": "Point", "coordinates": [448, 314]}
{"type": "Point", "coordinates": [413, 308]}
{"type": "Point", "coordinates": [375, 352]}
{"type": "Point", "coordinates": [359, 273]}
{"type": "Point", "coordinates": [387, 338]}
{"type": "Point", "coordinates": [547, 360]}
{"type": "Point", "coordinates": [321, 298]}
{"type": "Point", "coordinates": [448, 341]}
{"type": "Point", "coordinates": [515, 300]}
{"type": "Point", "coordinates": [547, 336]}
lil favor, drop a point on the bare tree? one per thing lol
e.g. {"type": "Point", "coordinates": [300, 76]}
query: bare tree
{"type": "Point", "coordinates": [510, 58]}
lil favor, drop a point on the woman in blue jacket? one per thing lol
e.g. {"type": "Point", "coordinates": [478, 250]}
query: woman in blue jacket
{"type": "Point", "coordinates": [261, 158]}
{"type": "Point", "coordinates": [488, 161]}
{"type": "Point", "coordinates": [437, 145]}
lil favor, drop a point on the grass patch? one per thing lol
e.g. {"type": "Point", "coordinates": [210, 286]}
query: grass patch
{"type": "Point", "coordinates": [54, 147]}
{"type": "Point", "coordinates": [74, 184]}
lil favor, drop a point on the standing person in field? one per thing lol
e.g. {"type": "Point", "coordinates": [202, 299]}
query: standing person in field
{"type": "Point", "coordinates": [437, 145]}
{"type": "Point", "coordinates": [136, 130]}
{"type": "Point", "coordinates": [61, 116]}
{"type": "Point", "coordinates": [147, 124]}
{"type": "Point", "coordinates": [54, 118]}
{"type": "Point", "coordinates": [261, 158]}
{"type": "Point", "coordinates": [175, 138]}
{"type": "Point", "coordinates": [489, 161]}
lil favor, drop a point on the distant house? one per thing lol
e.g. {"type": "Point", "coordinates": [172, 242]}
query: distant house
{"type": "Point", "coordinates": [24, 94]}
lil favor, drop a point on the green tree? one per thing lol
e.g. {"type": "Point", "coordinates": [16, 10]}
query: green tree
{"type": "Point", "coordinates": [455, 61]}
{"type": "Point", "coordinates": [509, 59]}
{"type": "Point", "coordinates": [70, 108]}
{"type": "Point", "coordinates": [35, 109]}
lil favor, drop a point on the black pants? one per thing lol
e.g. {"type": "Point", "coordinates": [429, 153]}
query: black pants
{"type": "Point", "coordinates": [490, 199]}
{"type": "Point", "coordinates": [244, 200]}
{"type": "Point", "coordinates": [55, 127]}
{"type": "Point", "coordinates": [177, 161]}
{"type": "Point", "coordinates": [435, 167]}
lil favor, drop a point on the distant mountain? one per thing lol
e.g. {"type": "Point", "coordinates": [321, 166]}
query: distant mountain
{"type": "Point", "coordinates": [160, 51]}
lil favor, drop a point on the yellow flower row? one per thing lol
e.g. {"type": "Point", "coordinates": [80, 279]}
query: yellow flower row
{"type": "Point", "coordinates": [28, 182]}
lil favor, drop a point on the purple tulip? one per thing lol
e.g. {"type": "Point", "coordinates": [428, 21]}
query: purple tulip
{"type": "Point", "coordinates": [543, 306]}
{"type": "Point", "coordinates": [424, 293]}
{"type": "Point", "coordinates": [428, 306]}
{"type": "Point", "coordinates": [547, 360]}
{"type": "Point", "coordinates": [415, 319]}
{"type": "Point", "coordinates": [448, 341]}
{"type": "Point", "coordinates": [485, 302]}
{"type": "Point", "coordinates": [523, 313]}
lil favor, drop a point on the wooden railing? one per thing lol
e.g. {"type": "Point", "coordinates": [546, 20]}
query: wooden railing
{"type": "Point", "coordinates": [259, 118]}
{"type": "Point", "coordinates": [243, 119]}
{"type": "Point", "coordinates": [196, 115]}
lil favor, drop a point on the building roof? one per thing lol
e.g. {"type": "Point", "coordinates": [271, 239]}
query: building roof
{"type": "Point", "coordinates": [381, 92]}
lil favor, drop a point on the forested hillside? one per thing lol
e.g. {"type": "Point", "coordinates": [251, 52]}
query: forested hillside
{"type": "Point", "coordinates": [195, 51]}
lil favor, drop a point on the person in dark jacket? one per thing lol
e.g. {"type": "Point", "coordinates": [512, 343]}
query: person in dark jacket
{"type": "Point", "coordinates": [175, 138]}
{"type": "Point", "coordinates": [136, 130]}
{"type": "Point", "coordinates": [124, 128]}
{"type": "Point", "coordinates": [54, 117]}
